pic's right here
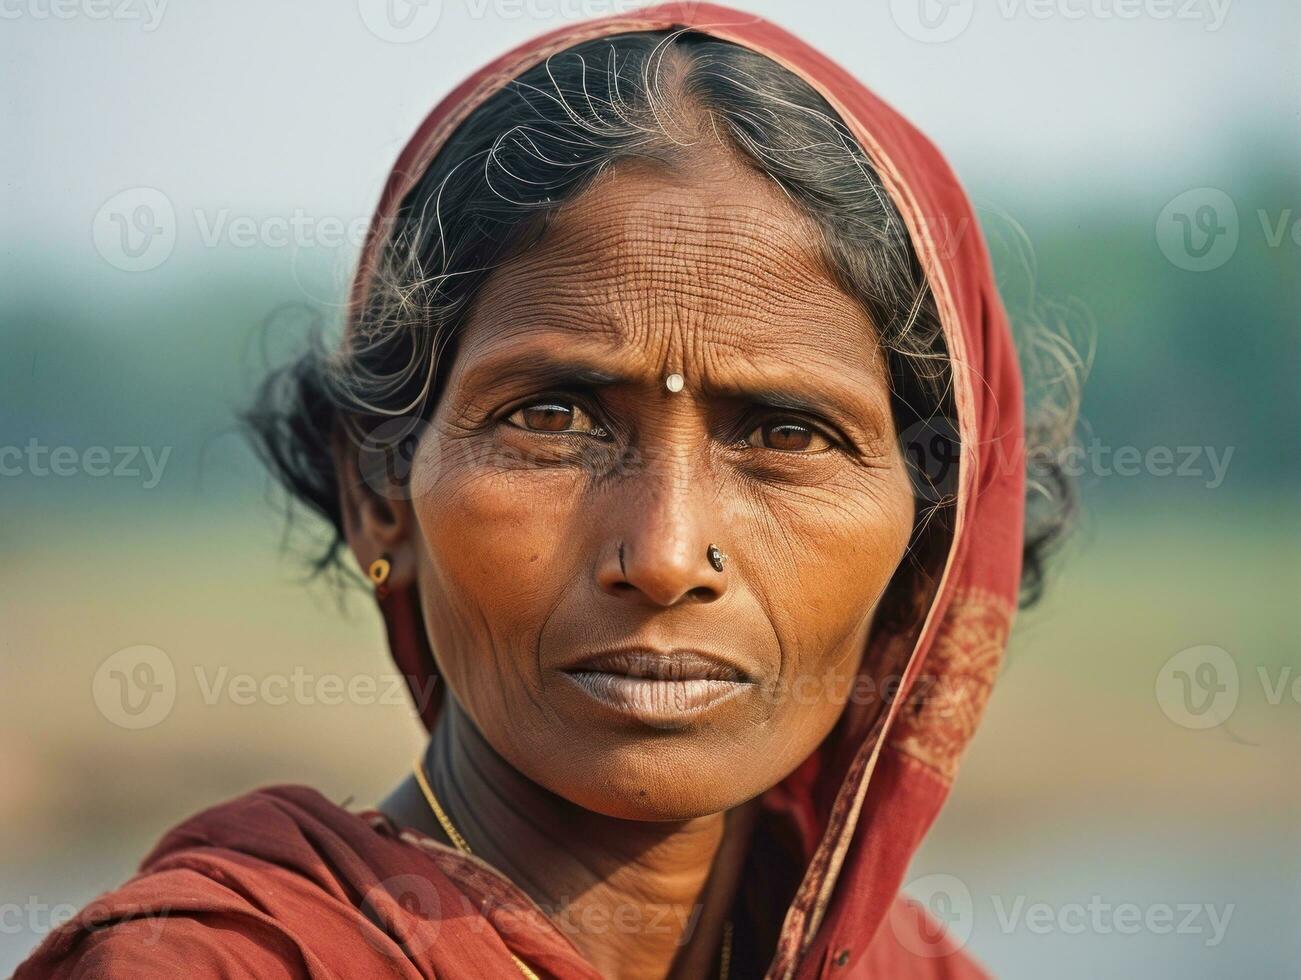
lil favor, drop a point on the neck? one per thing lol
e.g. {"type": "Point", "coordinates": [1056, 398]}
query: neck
{"type": "Point", "coordinates": [637, 898]}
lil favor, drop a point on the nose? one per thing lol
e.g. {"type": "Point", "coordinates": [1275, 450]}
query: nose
{"type": "Point", "coordinates": [657, 542]}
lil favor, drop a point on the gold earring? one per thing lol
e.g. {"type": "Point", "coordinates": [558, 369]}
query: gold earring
{"type": "Point", "coordinates": [378, 572]}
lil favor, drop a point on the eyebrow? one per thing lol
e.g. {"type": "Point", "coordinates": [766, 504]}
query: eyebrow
{"type": "Point", "coordinates": [574, 371]}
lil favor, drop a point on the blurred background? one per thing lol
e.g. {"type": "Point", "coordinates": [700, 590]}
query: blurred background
{"type": "Point", "coordinates": [184, 193]}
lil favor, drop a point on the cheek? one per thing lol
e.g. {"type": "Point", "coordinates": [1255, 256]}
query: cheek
{"type": "Point", "coordinates": [839, 551]}
{"type": "Point", "coordinates": [496, 566]}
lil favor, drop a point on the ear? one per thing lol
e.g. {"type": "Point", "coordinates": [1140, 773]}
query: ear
{"type": "Point", "coordinates": [377, 515]}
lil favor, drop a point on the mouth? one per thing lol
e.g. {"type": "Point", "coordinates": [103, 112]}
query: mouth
{"type": "Point", "coordinates": [664, 689]}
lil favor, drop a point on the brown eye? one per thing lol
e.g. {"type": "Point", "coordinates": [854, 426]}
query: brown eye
{"type": "Point", "coordinates": [555, 416]}
{"type": "Point", "coordinates": [788, 436]}
{"type": "Point", "coordinates": [546, 417]}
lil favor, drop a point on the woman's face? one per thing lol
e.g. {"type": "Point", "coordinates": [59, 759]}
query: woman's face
{"type": "Point", "coordinates": [564, 498]}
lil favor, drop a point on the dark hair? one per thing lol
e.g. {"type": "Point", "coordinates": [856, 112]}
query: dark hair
{"type": "Point", "coordinates": [538, 142]}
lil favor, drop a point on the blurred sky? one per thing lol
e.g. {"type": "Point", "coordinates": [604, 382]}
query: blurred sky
{"type": "Point", "coordinates": [269, 106]}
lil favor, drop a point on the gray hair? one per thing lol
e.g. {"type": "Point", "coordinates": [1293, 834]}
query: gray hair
{"type": "Point", "coordinates": [540, 140]}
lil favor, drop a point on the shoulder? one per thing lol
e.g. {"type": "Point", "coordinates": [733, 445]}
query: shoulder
{"type": "Point", "coordinates": [270, 884]}
{"type": "Point", "coordinates": [120, 946]}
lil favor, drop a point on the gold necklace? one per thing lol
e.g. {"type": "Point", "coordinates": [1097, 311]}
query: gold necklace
{"type": "Point", "coordinates": [454, 835]}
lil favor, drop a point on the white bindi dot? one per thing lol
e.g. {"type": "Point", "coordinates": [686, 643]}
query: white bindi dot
{"type": "Point", "coordinates": [673, 382]}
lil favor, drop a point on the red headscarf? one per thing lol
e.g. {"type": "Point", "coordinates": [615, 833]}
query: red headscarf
{"type": "Point", "coordinates": [283, 882]}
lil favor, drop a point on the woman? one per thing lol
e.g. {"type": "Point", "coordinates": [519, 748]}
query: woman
{"type": "Point", "coordinates": [686, 460]}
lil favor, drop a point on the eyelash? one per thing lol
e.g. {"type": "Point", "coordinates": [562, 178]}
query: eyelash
{"type": "Point", "coordinates": [602, 432]}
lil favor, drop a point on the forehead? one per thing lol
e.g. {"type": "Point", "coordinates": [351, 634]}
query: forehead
{"type": "Point", "coordinates": [705, 266]}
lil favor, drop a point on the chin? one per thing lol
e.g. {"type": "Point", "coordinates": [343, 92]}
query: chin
{"type": "Point", "coordinates": [660, 779]}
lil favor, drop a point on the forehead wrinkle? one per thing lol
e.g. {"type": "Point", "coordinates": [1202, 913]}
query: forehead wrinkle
{"type": "Point", "coordinates": [683, 273]}
{"type": "Point", "coordinates": [841, 380]}
{"type": "Point", "coordinates": [748, 293]}
{"type": "Point", "coordinates": [713, 344]}
{"type": "Point", "coordinates": [712, 228]}
{"type": "Point", "coordinates": [747, 252]}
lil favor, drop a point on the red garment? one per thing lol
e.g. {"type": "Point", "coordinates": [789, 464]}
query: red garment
{"type": "Point", "coordinates": [284, 883]}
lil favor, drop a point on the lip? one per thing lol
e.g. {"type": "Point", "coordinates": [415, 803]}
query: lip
{"type": "Point", "coordinates": [663, 688]}
{"type": "Point", "coordinates": [677, 664]}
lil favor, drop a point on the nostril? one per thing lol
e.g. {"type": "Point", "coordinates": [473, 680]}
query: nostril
{"type": "Point", "coordinates": [660, 572]}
